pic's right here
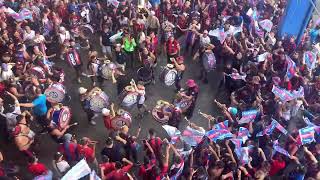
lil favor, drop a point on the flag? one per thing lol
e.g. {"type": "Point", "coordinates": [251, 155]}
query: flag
{"type": "Point", "coordinates": [253, 13]}
{"type": "Point", "coordinates": [248, 116]}
{"type": "Point", "coordinates": [222, 125]}
{"type": "Point", "coordinates": [283, 94]}
{"type": "Point", "coordinates": [310, 59]}
{"type": "Point", "coordinates": [243, 134]}
{"type": "Point", "coordinates": [279, 127]}
{"type": "Point", "coordinates": [267, 131]}
{"type": "Point", "coordinates": [279, 149]}
{"type": "Point", "coordinates": [266, 25]}
{"type": "Point", "coordinates": [215, 135]}
{"type": "Point", "coordinates": [243, 155]}
{"type": "Point", "coordinates": [78, 171]}
{"type": "Point", "coordinates": [219, 33]}
{"type": "Point", "coordinates": [263, 57]}
{"type": "Point", "coordinates": [234, 30]}
{"type": "Point", "coordinates": [192, 136]}
{"type": "Point", "coordinates": [237, 142]}
{"type": "Point", "coordinates": [306, 135]}
{"type": "Point", "coordinates": [116, 36]}
{"type": "Point", "coordinates": [291, 68]}
{"type": "Point", "coordinates": [298, 93]}
{"type": "Point", "coordinates": [237, 76]}
{"type": "Point", "coordinates": [173, 132]}
{"type": "Point", "coordinates": [225, 18]}
{"type": "Point", "coordinates": [178, 173]}
{"type": "Point", "coordinates": [257, 29]}
{"type": "Point", "coordinates": [115, 3]}
{"type": "Point", "coordinates": [94, 176]}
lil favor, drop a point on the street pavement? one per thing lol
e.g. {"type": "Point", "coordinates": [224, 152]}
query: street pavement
{"type": "Point", "coordinates": [99, 133]}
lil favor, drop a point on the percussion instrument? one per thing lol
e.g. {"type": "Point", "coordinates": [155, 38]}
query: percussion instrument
{"type": "Point", "coordinates": [122, 118]}
{"type": "Point", "coordinates": [159, 111]}
{"type": "Point", "coordinates": [182, 103]}
{"type": "Point", "coordinates": [61, 117]}
{"type": "Point", "coordinates": [168, 75]}
{"type": "Point", "coordinates": [38, 71]}
{"type": "Point", "coordinates": [107, 69]}
{"type": "Point", "coordinates": [209, 61]}
{"type": "Point", "coordinates": [29, 91]}
{"type": "Point", "coordinates": [55, 93]}
{"type": "Point", "coordinates": [128, 97]}
{"type": "Point", "coordinates": [98, 101]}
{"type": "Point", "coordinates": [86, 30]}
{"type": "Point", "coordinates": [145, 75]}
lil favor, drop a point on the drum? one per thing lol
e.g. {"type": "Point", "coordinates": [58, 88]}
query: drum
{"type": "Point", "coordinates": [122, 118]}
{"type": "Point", "coordinates": [128, 97]}
{"type": "Point", "coordinates": [38, 72]}
{"type": "Point", "coordinates": [106, 69]}
{"type": "Point", "coordinates": [182, 103]}
{"type": "Point", "coordinates": [98, 101]}
{"type": "Point", "coordinates": [86, 30]}
{"type": "Point", "coordinates": [168, 75]}
{"type": "Point", "coordinates": [61, 117]}
{"type": "Point", "coordinates": [145, 75]}
{"type": "Point", "coordinates": [159, 112]}
{"type": "Point", "coordinates": [209, 61]}
{"type": "Point", "coordinates": [55, 93]}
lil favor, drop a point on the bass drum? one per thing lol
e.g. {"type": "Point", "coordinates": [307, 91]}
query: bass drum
{"type": "Point", "coordinates": [55, 93]}
{"type": "Point", "coordinates": [145, 75]}
{"type": "Point", "coordinates": [182, 103]}
{"type": "Point", "coordinates": [106, 69]}
{"type": "Point", "coordinates": [38, 72]}
{"type": "Point", "coordinates": [158, 113]}
{"type": "Point", "coordinates": [122, 118]}
{"type": "Point", "coordinates": [61, 118]}
{"type": "Point", "coordinates": [209, 61]}
{"type": "Point", "coordinates": [98, 101]}
{"type": "Point", "coordinates": [86, 31]}
{"type": "Point", "coordinates": [128, 97]}
{"type": "Point", "coordinates": [168, 75]}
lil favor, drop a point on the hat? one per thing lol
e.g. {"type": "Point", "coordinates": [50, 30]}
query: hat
{"type": "Point", "coordinates": [255, 80]}
{"type": "Point", "coordinates": [233, 110]}
{"type": "Point", "coordinates": [82, 90]}
{"type": "Point", "coordinates": [105, 111]}
{"type": "Point", "coordinates": [67, 137]}
{"type": "Point", "coordinates": [190, 83]}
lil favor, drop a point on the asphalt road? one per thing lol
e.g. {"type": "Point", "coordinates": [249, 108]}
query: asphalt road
{"type": "Point", "coordinates": [99, 133]}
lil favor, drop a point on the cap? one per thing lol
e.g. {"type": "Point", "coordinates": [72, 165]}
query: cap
{"type": "Point", "coordinates": [82, 90]}
{"type": "Point", "coordinates": [67, 137]}
{"type": "Point", "coordinates": [190, 83]}
{"type": "Point", "coordinates": [105, 111]}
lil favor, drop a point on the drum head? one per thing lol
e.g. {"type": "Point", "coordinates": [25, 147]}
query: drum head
{"type": "Point", "coordinates": [64, 117]}
{"type": "Point", "coordinates": [183, 104]}
{"type": "Point", "coordinates": [120, 120]}
{"type": "Point", "coordinates": [86, 30]}
{"type": "Point", "coordinates": [129, 99]}
{"type": "Point", "coordinates": [98, 102]}
{"type": "Point", "coordinates": [209, 61]}
{"type": "Point", "coordinates": [170, 77]}
{"type": "Point", "coordinates": [159, 116]}
{"type": "Point", "coordinates": [55, 94]}
{"type": "Point", "coordinates": [144, 74]}
{"type": "Point", "coordinates": [38, 72]}
{"type": "Point", "coordinates": [106, 71]}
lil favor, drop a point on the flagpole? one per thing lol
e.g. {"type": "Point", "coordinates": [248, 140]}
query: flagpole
{"type": "Point", "coordinates": [315, 7]}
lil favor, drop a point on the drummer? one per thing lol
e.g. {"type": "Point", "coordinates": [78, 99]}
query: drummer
{"type": "Point", "coordinates": [56, 133]}
{"type": "Point", "coordinates": [191, 93]}
{"type": "Point", "coordinates": [93, 67]}
{"type": "Point", "coordinates": [148, 60]}
{"type": "Point", "coordinates": [140, 89]}
{"type": "Point", "coordinates": [84, 95]}
{"type": "Point", "coordinates": [180, 68]}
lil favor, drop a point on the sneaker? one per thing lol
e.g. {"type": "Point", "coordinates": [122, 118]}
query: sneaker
{"type": "Point", "coordinates": [94, 116]}
{"type": "Point", "coordinates": [92, 122]}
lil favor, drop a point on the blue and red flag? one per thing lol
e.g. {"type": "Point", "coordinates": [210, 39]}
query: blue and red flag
{"type": "Point", "coordinates": [237, 142]}
{"type": "Point", "coordinates": [221, 134]}
{"type": "Point", "coordinates": [306, 135]}
{"type": "Point", "coordinates": [291, 68]}
{"type": "Point", "coordinates": [279, 149]}
{"type": "Point", "coordinates": [243, 134]}
{"type": "Point", "coordinates": [222, 125]}
{"type": "Point", "coordinates": [248, 116]}
{"type": "Point", "coordinates": [268, 130]}
{"type": "Point", "coordinates": [279, 127]}
{"type": "Point", "coordinates": [310, 59]}
{"type": "Point", "coordinates": [192, 136]}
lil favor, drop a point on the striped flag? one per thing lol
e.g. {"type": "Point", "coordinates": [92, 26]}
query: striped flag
{"type": "Point", "coordinates": [243, 155]}
{"type": "Point", "coordinates": [266, 25]}
{"type": "Point", "coordinates": [173, 132]}
{"type": "Point", "coordinates": [192, 136]}
{"type": "Point", "coordinates": [306, 135]}
{"type": "Point", "coordinates": [291, 68]}
{"type": "Point", "coordinates": [215, 135]}
{"type": "Point", "coordinates": [279, 149]}
{"type": "Point", "coordinates": [283, 94]}
{"type": "Point", "coordinates": [279, 127]}
{"type": "Point", "coordinates": [248, 116]}
{"type": "Point", "coordinates": [178, 173]}
{"type": "Point", "coordinates": [222, 125]}
{"type": "Point", "coordinates": [310, 59]}
{"type": "Point", "coordinates": [243, 134]}
{"type": "Point", "coordinates": [268, 130]}
{"type": "Point", "coordinates": [237, 142]}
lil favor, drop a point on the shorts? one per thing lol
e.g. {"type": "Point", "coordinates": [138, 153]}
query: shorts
{"type": "Point", "coordinates": [106, 49]}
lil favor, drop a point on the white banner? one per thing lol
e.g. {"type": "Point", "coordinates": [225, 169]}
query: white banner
{"type": "Point", "coordinates": [78, 171]}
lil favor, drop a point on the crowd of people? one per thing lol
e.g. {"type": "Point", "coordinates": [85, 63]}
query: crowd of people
{"type": "Point", "coordinates": [267, 128]}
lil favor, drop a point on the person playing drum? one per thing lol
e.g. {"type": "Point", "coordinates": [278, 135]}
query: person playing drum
{"type": "Point", "coordinates": [73, 58]}
{"type": "Point", "coordinates": [84, 95]}
{"type": "Point", "coordinates": [191, 93]}
{"type": "Point", "coordinates": [148, 60]}
{"type": "Point", "coordinates": [140, 89]}
{"type": "Point", "coordinates": [180, 68]}
{"type": "Point", "coordinates": [57, 133]}
{"type": "Point", "coordinates": [172, 48]}
{"type": "Point", "coordinates": [108, 115]}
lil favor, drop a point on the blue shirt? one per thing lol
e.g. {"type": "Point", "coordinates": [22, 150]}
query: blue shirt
{"type": "Point", "coordinates": [40, 105]}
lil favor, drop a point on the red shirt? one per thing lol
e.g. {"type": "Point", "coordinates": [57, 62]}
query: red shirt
{"type": "Point", "coordinates": [119, 174]}
{"type": "Point", "coordinates": [107, 121]}
{"type": "Point", "coordinates": [87, 152]}
{"type": "Point", "coordinates": [69, 151]}
{"type": "Point", "coordinates": [276, 166]}
{"type": "Point", "coordinates": [108, 167]}
{"type": "Point", "coordinates": [144, 171]}
{"type": "Point", "coordinates": [172, 47]}
{"type": "Point", "coordinates": [37, 169]}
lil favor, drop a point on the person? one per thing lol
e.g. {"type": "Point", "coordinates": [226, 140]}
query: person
{"type": "Point", "coordinates": [84, 95]}
{"type": "Point", "coordinates": [87, 150]}
{"type": "Point", "coordinates": [56, 132]}
{"type": "Point", "coordinates": [121, 171]}
{"type": "Point", "coordinates": [38, 169]}
{"type": "Point", "coordinates": [39, 106]}
{"type": "Point", "coordinates": [112, 150]}
{"type": "Point", "coordinates": [108, 115]}
{"type": "Point", "coordinates": [120, 56]}
{"type": "Point", "coordinates": [155, 143]}
{"type": "Point", "coordinates": [172, 48]}
{"type": "Point", "coordinates": [129, 142]}
{"type": "Point", "coordinates": [106, 167]}
{"type": "Point", "coordinates": [60, 165]}
{"type": "Point", "coordinates": [175, 117]}
{"type": "Point", "coordinates": [191, 93]}
{"type": "Point", "coordinates": [140, 89]}
{"type": "Point", "coordinates": [105, 42]}
{"type": "Point", "coordinates": [74, 59]}
{"type": "Point", "coordinates": [129, 45]}
{"type": "Point", "coordinates": [180, 68]}
{"type": "Point", "coordinates": [69, 149]}
{"type": "Point", "coordinates": [153, 23]}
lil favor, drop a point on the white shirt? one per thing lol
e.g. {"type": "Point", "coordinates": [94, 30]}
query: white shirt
{"type": "Point", "coordinates": [204, 40]}
{"type": "Point", "coordinates": [29, 36]}
{"type": "Point", "coordinates": [65, 36]}
{"type": "Point", "coordinates": [11, 118]}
